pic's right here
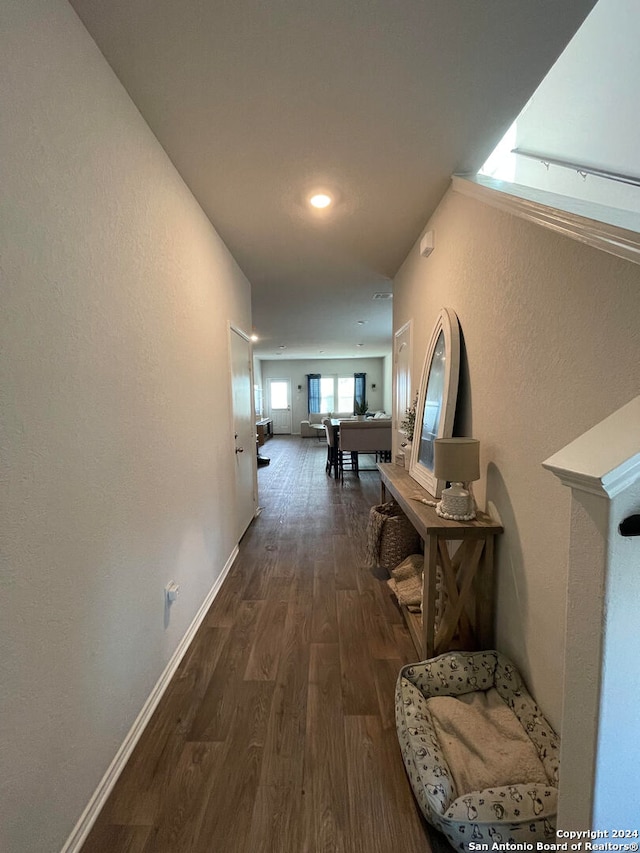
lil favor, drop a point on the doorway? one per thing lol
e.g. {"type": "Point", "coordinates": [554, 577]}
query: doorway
{"type": "Point", "coordinates": [280, 405]}
{"type": "Point", "coordinates": [244, 429]}
{"type": "Point", "coordinates": [403, 397]}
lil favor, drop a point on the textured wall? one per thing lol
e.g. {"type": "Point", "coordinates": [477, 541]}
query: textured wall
{"type": "Point", "coordinates": [115, 436]}
{"type": "Point", "coordinates": [550, 347]}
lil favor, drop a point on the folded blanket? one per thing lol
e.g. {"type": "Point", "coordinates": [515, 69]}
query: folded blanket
{"type": "Point", "coordinates": [409, 568]}
{"type": "Point", "coordinates": [406, 582]}
{"type": "Point", "coordinates": [408, 592]}
{"type": "Point", "coordinates": [483, 742]}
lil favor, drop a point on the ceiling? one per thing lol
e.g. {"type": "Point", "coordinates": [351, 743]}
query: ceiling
{"type": "Point", "coordinates": [378, 102]}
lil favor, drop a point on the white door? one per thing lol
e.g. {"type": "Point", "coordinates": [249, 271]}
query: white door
{"type": "Point", "coordinates": [280, 405]}
{"type": "Point", "coordinates": [244, 446]}
{"type": "Point", "coordinates": [403, 394]}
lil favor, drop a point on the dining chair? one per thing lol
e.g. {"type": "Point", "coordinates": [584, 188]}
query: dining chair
{"type": "Point", "coordinates": [373, 436]}
{"type": "Point", "coordinates": [347, 450]}
{"type": "Point", "coordinates": [332, 450]}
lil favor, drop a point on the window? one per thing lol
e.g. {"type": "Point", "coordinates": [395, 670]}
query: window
{"type": "Point", "coordinates": [345, 393]}
{"type": "Point", "coordinates": [279, 394]}
{"type": "Point", "coordinates": [335, 393]}
{"type": "Point", "coordinates": [327, 393]}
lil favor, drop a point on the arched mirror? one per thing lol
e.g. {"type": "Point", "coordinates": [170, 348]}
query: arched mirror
{"type": "Point", "coordinates": [436, 406]}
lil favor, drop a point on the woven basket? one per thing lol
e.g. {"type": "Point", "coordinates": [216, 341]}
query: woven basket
{"type": "Point", "coordinates": [391, 536]}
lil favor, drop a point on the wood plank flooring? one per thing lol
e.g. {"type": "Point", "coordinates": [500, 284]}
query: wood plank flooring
{"type": "Point", "coordinates": [277, 733]}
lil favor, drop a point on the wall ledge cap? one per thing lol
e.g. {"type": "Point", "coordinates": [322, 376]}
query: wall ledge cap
{"type": "Point", "coordinates": [605, 228]}
{"type": "Point", "coordinates": [605, 460]}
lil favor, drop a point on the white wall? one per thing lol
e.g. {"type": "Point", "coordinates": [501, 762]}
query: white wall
{"type": "Point", "coordinates": [586, 110]}
{"type": "Point", "coordinates": [297, 370]}
{"type": "Point", "coordinates": [116, 475]}
{"type": "Point", "coordinates": [551, 339]}
{"type": "Point", "coordinates": [387, 369]}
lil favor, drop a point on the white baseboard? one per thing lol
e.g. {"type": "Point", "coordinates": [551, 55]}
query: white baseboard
{"type": "Point", "coordinates": [81, 830]}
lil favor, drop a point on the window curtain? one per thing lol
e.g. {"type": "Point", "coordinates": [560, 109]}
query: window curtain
{"type": "Point", "coordinates": [313, 392]}
{"type": "Point", "coordinates": [359, 389]}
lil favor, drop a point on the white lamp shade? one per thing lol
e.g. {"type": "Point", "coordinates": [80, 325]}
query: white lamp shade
{"type": "Point", "coordinates": [457, 459]}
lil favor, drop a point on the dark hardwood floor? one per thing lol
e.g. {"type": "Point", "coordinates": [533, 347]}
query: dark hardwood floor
{"type": "Point", "coordinates": [277, 733]}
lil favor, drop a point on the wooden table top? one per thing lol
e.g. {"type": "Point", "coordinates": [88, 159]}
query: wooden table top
{"type": "Point", "coordinates": [409, 494]}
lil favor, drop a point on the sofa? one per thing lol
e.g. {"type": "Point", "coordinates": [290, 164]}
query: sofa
{"type": "Point", "coordinates": [307, 431]}
{"type": "Point", "coordinates": [368, 436]}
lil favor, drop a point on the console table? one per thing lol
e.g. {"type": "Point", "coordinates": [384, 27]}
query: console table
{"type": "Point", "coordinates": [466, 575]}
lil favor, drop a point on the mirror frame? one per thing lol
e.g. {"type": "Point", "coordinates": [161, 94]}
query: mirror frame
{"type": "Point", "coordinates": [447, 325]}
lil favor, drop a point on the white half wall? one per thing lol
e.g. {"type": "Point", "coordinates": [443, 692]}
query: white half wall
{"type": "Point", "coordinates": [598, 784]}
{"type": "Point", "coordinates": [550, 346]}
{"type": "Point", "coordinates": [617, 785]}
{"type": "Point", "coordinates": [116, 473]}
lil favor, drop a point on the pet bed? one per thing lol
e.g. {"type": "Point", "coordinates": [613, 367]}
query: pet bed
{"type": "Point", "coordinates": [481, 758]}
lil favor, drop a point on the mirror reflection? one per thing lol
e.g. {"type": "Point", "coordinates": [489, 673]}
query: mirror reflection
{"type": "Point", "coordinates": [433, 404]}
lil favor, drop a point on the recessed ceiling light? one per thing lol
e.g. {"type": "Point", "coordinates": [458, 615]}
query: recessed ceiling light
{"type": "Point", "coordinates": [254, 337]}
{"type": "Point", "coordinates": [359, 345]}
{"type": "Point", "coordinates": [320, 200]}
{"type": "Point", "coordinates": [360, 322]}
{"type": "Point", "coordinates": [282, 346]}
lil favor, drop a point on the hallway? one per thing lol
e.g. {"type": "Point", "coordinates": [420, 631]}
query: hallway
{"type": "Point", "coordinates": [277, 733]}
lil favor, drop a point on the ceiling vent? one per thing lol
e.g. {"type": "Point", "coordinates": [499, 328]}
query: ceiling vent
{"type": "Point", "coordinates": [383, 295]}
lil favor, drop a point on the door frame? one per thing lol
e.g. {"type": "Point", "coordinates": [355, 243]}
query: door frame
{"type": "Point", "coordinates": [250, 439]}
{"type": "Point", "coordinates": [402, 392]}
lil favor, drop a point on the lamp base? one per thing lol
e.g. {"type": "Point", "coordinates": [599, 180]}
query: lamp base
{"type": "Point", "coordinates": [457, 504]}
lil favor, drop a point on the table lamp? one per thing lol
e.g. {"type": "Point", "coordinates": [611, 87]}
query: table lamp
{"type": "Point", "coordinates": [457, 460]}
